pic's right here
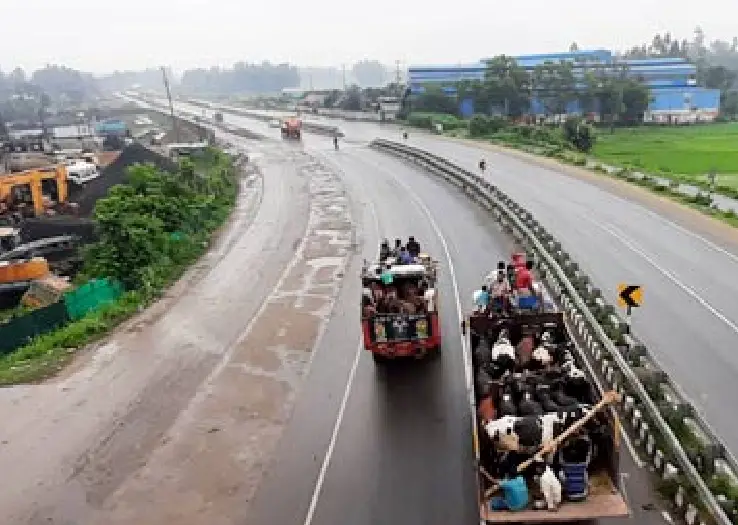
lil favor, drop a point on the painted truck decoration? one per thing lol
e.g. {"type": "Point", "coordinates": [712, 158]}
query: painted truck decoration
{"type": "Point", "coordinates": [400, 308]}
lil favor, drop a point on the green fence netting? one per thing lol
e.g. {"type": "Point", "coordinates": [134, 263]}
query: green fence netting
{"type": "Point", "coordinates": [21, 330]}
{"type": "Point", "coordinates": [91, 296]}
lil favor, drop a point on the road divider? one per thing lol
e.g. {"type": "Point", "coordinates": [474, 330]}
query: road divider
{"type": "Point", "coordinates": [695, 470]}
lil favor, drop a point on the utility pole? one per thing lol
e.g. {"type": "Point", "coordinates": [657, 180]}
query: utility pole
{"type": "Point", "coordinates": [343, 69]}
{"type": "Point", "coordinates": [175, 128]}
{"type": "Point", "coordinates": [397, 72]}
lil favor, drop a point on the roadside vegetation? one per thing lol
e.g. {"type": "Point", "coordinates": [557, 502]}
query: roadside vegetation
{"type": "Point", "coordinates": [149, 231]}
{"type": "Point", "coordinates": [682, 153]}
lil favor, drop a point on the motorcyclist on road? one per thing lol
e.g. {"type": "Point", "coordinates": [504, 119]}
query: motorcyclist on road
{"type": "Point", "coordinates": [404, 135]}
{"type": "Point", "coordinates": [482, 165]}
{"type": "Point", "coordinates": [335, 141]}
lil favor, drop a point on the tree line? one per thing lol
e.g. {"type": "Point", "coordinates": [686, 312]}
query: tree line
{"type": "Point", "coordinates": [509, 90]}
{"type": "Point", "coordinates": [241, 78]}
{"type": "Point", "coordinates": [716, 61]}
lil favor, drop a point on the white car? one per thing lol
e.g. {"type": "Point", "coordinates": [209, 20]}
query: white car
{"type": "Point", "coordinates": [275, 123]}
{"type": "Point", "coordinates": [81, 172]}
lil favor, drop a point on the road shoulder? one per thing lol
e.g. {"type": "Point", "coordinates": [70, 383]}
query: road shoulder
{"type": "Point", "coordinates": [212, 459]}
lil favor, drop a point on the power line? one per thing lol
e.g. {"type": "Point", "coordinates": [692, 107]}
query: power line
{"type": "Point", "coordinates": [175, 128]}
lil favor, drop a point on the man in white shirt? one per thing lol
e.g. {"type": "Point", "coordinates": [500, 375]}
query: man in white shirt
{"type": "Point", "coordinates": [500, 290]}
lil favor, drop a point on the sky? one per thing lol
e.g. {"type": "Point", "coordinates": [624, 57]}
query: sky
{"type": "Point", "coordinates": [100, 36]}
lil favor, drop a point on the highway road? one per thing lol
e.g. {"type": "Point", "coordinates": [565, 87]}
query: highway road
{"type": "Point", "coordinates": [370, 445]}
{"type": "Point", "coordinates": [686, 267]}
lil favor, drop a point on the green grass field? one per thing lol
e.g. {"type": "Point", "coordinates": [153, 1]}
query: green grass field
{"type": "Point", "coordinates": [686, 150]}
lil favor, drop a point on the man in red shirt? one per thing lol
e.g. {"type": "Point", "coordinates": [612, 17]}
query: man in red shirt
{"type": "Point", "coordinates": [524, 280]}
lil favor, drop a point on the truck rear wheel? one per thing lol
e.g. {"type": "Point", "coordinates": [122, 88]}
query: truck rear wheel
{"type": "Point", "coordinates": [379, 359]}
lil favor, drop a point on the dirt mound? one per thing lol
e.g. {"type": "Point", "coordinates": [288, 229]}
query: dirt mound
{"type": "Point", "coordinates": [114, 174]}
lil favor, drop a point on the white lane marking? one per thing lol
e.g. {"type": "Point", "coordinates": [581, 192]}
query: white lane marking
{"type": "Point", "coordinates": [452, 272]}
{"type": "Point", "coordinates": [341, 410]}
{"type": "Point", "coordinates": [697, 236]}
{"type": "Point", "coordinates": [646, 210]}
{"type": "Point", "coordinates": [669, 275]}
{"type": "Point", "coordinates": [334, 437]}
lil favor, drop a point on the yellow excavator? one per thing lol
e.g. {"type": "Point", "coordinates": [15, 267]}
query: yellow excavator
{"type": "Point", "coordinates": [33, 191]}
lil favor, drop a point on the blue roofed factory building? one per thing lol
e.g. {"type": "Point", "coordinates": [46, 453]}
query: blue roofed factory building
{"type": "Point", "coordinates": [675, 96]}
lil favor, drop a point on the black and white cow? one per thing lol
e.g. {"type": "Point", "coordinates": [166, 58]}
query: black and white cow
{"type": "Point", "coordinates": [531, 431]}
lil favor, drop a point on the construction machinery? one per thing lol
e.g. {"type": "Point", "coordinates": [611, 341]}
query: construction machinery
{"type": "Point", "coordinates": [32, 192]}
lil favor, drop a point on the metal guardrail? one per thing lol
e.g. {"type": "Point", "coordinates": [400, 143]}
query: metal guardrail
{"type": "Point", "coordinates": [652, 405]}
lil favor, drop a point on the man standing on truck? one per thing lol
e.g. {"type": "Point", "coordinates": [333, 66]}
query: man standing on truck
{"type": "Point", "coordinates": [405, 257]}
{"type": "Point", "coordinates": [524, 280]}
{"type": "Point", "coordinates": [413, 246]}
{"type": "Point", "coordinates": [500, 290]}
{"type": "Point", "coordinates": [384, 251]}
{"type": "Point", "coordinates": [481, 299]}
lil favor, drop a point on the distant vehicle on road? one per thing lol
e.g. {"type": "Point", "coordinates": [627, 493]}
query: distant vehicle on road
{"type": "Point", "coordinates": [291, 128]}
{"type": "Point", "coordinates": [81, 172]}
{"type": "Point", "coordinates": [275, 123]}
{"type": "Point", "coordinates": [400, 309]}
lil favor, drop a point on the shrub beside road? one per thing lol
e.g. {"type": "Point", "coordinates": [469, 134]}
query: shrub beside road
{"type": "Point", "coordinates": [149, 231]}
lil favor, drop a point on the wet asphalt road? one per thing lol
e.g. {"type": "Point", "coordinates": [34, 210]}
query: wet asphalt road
{"type": "Point", "coordinates": [690, 312]}
{"type": "Point", "coordinates": [402, 453]}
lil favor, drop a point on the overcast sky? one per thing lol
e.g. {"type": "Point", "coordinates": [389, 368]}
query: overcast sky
{"type": "Point", "coordinates": [101, 36]}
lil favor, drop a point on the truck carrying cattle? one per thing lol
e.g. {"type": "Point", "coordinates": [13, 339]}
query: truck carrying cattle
{"type": "Point", "coordinates": [545, 441]}
{"type": "Point", "coordinates": [399, 313]}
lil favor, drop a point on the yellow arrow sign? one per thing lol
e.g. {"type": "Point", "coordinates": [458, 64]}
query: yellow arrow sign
{"type": "Point", "coordinates": [630, 295]}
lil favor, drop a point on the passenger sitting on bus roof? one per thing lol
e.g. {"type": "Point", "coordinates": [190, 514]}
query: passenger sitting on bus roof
{"type": "Point", "coordinates": [405, 257]}
{"type": "Point", "coordinates": [384, 250]}
{"type": "Point", "coordinates": [492, 276]}
{"type": "Point", "coordinates": [396, 249]}
{"type": "Point", "coordinates": [413, 246]}
{"type": "Point", "coordinates": [511, 275]}
{"type": "Point", "coordinates": [500, 288]}
{"type": "Point", "coordinates": [481, 299]}
{"type": "Point", "coordinates": [524, 280]}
